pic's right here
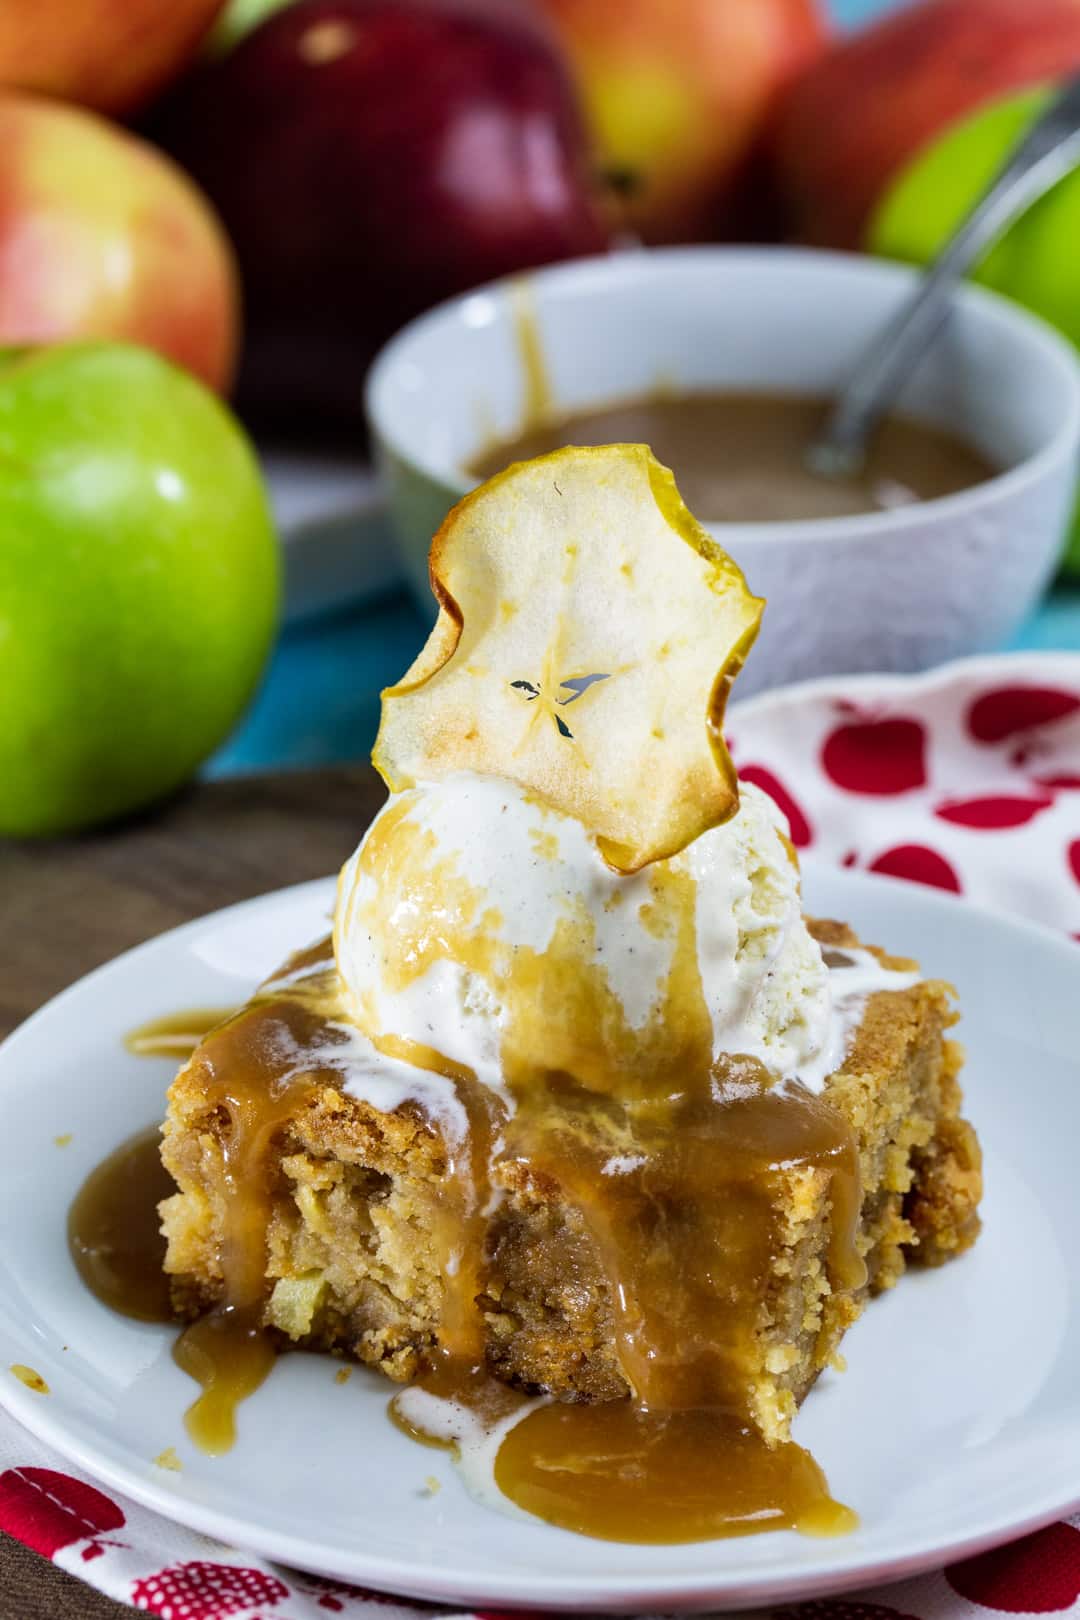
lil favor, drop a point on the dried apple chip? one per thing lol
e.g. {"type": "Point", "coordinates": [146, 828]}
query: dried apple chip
{"type": "Point", "coordinates": [589, 631]}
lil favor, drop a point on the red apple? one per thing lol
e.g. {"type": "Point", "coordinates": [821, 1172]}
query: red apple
{"type": "Point", "coordinates": [676, 95]}
{"type": "Point", "coordinates": [852, 121]}
{"type": "Point", "coordinates": [108, 54]}
{"type": "Point", "coordinates": [370, 157]}
{"type": "Point", "coordinates": [101, 236]}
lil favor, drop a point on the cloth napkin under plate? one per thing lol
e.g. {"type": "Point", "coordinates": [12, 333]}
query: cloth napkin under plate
{"type": "Point", "coordinates": [967, 778]}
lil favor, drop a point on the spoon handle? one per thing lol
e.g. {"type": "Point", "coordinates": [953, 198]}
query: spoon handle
{"type": "Point", "coordinates": [1048, 151]}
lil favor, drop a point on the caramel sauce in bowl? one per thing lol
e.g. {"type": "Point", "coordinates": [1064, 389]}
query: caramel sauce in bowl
{"type": "Point", "coordinates": [740, 457]}
{"type": "Point", "coordinates": [674, 322]}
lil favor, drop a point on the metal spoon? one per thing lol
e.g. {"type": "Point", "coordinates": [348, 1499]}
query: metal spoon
{"type": "Point", "coordinates": [1046, 153]}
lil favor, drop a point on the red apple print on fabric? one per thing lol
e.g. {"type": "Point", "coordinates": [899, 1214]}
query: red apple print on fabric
{"type": "Point", "coordinates": [1038, 1575]}
{"type": "Point", "coordinates": [1009, 709]}
{"type": "Point", "coordinates": [840, 1609]}
{"type": "Point", "coordinates": [919, 865]}
{"type": "Point", "coordinates": [48, 1511]}
{"type": "Point", "coordinates": [880, 757]}
{"type": "Point", "coordinates": [994, 812]}
{"type": "Point", "coordinates": [801, 833]}
{"type": "Point", "coordinates": [1074, 858]}
{"type": "Point", "coordinates": [202, 1591]}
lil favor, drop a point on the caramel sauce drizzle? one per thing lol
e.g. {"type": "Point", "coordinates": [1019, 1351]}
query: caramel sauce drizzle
{"type": "Point", "coordinates": [670, 1159]}
{"type": "Point", "coordinates": [260, 1068]}
{"type": "Point", "coordinates": [673, 1161]}
{"type": "Point", "coordinates": [458, 1211]}
{"type": "Point", "coordinates": [685, 1235]}
{"type": "Point", "coordinates": [257, 1066]}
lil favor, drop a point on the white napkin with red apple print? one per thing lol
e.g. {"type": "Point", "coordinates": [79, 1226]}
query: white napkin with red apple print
{"type": "Point", "coordinates": [967, 778]}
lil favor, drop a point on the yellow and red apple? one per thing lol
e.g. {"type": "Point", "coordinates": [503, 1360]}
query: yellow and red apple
{"type": "Point", "coordinates": [850, 123]}
{"type": "Point", "coordinates": [108, 54]}
{"type": "Point", "coordinates": [102, 236]}
{"type": "Point", "coordinates": [676, 94]}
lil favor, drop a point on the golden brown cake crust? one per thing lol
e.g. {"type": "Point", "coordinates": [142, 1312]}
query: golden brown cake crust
{"type": "Point", "coordinates": [353, 1264]}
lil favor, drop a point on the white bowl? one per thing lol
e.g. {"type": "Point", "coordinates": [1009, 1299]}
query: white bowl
{"type": "Point", "coordinates": [897, 590]}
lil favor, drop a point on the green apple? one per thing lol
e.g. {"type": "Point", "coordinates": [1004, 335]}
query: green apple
{"type": "Point", "coordinates": [139, 582]}
{"type": "Point", "coordinates": [238, 19]}
{"type": "Point", "coordinates": [1036, 261]}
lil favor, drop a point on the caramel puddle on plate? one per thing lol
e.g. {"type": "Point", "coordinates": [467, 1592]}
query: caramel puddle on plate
{"type": "Point", "coordinates": [618, 1473]}
{"type": "Point", "coordinates": [114, 1234]}
{"type": "Point", "coordinates": [33, 1380]}
{"type": "Point", "coordinates": [614, 1471]}
{"type": "Point", "coordinates": [177, 1034]}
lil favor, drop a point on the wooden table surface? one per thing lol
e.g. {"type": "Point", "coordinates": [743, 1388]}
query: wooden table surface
{"type": "Point", "coordinates": [67, 907]}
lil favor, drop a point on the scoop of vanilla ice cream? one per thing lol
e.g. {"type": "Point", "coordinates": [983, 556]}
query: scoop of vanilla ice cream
{"type": "Point", "coordinates": [460, 882]}
{"type": "Point", "coordinates": [766, 984]}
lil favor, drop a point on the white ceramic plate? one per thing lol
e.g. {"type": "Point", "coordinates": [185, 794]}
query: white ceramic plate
{"type": "Point", "coordinates": [957, 1425]}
